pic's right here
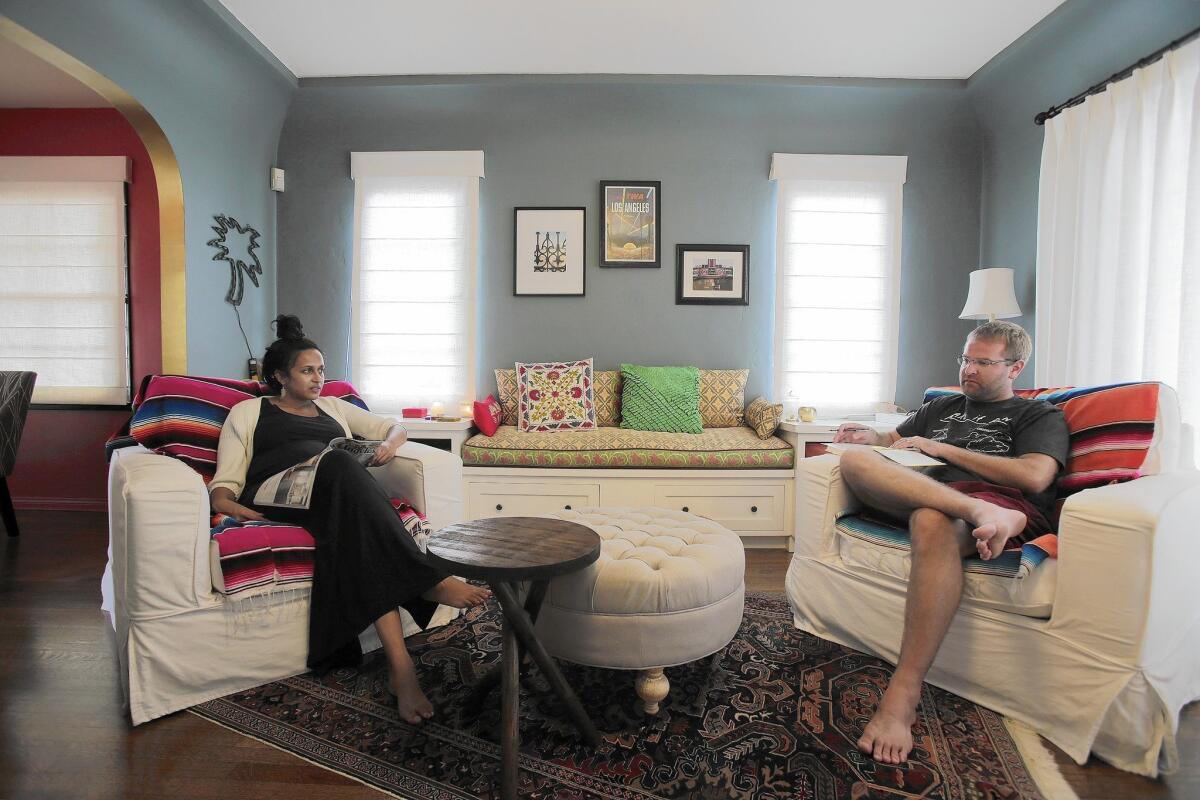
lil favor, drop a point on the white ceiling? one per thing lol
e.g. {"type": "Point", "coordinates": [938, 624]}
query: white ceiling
{"type": "Point", "coordinates": [27, 81]}
{"type": "Point", "coordinates": [815, 38]}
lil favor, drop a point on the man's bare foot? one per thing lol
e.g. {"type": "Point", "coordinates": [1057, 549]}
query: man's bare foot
{"type": "Point", "coordinates": [994, 526]}
{"type": "Point", "coordinates": [457, 594]}
{"type": "Point", "coordinates": [412, 704]}
{"type": "Point", "coordinates": [888, 736]}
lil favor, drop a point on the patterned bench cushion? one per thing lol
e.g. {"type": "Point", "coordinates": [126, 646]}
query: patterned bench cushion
{"type": "Point", "coordinates": [1019, 581]}
{"type": "Point", "coordinates": [246, 556]}
{"type": "Point", "coordinates": [716, 448]}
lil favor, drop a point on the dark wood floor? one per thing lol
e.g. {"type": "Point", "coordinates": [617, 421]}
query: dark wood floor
{"type": "Point", "coordinates": [63, 734]}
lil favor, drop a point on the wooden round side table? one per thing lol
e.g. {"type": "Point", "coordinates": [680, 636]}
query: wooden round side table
{"type": "Point", "coordinates": [502, 551]}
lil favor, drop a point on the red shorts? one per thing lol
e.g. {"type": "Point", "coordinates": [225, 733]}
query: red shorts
{"type": "Point", "coordinates": [1036, 523]}
{"type": "Point", "coordinates": [1006, 497]}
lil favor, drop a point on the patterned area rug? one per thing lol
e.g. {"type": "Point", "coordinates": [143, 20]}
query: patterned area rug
{"type": "Point", "coordinates": [775, 714]}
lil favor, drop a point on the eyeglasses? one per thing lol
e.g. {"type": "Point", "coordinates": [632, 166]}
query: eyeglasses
{"type": "Point", "coordinates": [982, 363]}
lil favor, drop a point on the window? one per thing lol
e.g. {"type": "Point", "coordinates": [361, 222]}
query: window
{"type": "Point", "coordinates": [837, 280]}
{"type": "Point", "coordinates": [416, 219]}
{"type": "Point", "coordinates": [63, 277]}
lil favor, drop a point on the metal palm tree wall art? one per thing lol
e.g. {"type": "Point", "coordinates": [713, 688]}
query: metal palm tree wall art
{"type": "Point", "coordinates": [237, 265]}
{"type": "Point", "coordinates": [235, 244]}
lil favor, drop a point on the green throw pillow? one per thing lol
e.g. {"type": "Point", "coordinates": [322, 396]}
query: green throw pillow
{"type": "Point", "coordinates": [660, 399]}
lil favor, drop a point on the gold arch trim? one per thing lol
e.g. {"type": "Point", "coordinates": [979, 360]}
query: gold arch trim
{"type": "Point", "coordinates": [173, 299]}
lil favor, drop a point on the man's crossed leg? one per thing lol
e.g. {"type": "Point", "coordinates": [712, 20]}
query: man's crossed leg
{"type": "Point", "coordinates": [945, 526]}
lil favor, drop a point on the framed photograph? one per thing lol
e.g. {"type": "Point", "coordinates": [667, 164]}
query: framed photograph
{"type": "Point", "coordinates": [549, 251]}
{"type": "Point", "coordinates": [629, 230]}
{"type": "Point", "coordinates": [712, 274]}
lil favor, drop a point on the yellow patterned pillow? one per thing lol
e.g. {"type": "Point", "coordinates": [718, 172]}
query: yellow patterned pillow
{"type": "Point", "coordinates": [722, 396]}
{"type": "Point", "coordinates": [764, 417]}
{"type": "Point", "coordinates": [607, 386]}
{"type": "Point", "coordinates": [506, 393]}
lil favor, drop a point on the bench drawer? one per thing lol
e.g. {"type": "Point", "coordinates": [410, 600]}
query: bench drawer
{"type": "Point", "coordinates": [528, 499]}
{"type": "Point", "coordinates": [739, 508]}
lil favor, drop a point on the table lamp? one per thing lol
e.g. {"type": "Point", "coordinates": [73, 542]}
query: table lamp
{"type": "Point", "coordinates": [991, 295]}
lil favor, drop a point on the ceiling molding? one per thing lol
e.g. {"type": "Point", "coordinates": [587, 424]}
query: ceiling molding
{"type": "Point", "coordinates": [612, 78]}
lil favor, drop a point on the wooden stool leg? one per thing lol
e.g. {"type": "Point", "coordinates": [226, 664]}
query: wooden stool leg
{"type": "Point", "coordinates": [516, 617]}
{"type": "Point", "coordinates": [6, 508]}
{"type": "Point", "coordinates": [652, 687]}
{"type": "Point", "coordinates": [510, 699]}
{"type": "Point", "coordinates": [491, 679]}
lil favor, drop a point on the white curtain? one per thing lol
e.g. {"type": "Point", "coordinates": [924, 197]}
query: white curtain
{"type": "Point", "coordinates": [1118, 254]}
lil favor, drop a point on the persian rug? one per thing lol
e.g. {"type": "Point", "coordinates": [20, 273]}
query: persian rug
{"type": "Point", "coordinates": [774, 714]}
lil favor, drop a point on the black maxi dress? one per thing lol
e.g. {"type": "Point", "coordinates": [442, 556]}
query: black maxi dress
{"type": "Point", "coordinates": [365, 563]}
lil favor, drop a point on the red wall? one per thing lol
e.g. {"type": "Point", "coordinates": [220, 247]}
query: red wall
{"type": "Point", "coordinates": [61, 460]}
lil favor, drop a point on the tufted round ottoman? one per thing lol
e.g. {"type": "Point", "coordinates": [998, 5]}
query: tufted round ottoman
{"type": "Point", "coordinates": [667, 589]}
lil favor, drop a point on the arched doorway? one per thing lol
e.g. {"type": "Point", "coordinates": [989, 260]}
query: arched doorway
{"type": "Point", "coordinates": [173, 298]}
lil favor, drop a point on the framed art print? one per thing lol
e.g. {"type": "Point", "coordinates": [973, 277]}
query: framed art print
{"type": "Point", "coordinates": [549, 251]}
{"type": "Point", "coordinates": [629, 229]}
{"type": "Point", "coordinates": [712, 274]}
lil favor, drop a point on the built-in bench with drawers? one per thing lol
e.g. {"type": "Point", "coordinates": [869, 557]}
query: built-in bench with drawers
{"type": "Point", "coordinates": [728, 475]}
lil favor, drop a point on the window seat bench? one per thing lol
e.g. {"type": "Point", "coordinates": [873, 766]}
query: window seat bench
{"type": "Point", "coordinates": [728, 475]}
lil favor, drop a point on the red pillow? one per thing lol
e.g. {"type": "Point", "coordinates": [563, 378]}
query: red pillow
{"type": "Point", "coordinates": [487, 415]}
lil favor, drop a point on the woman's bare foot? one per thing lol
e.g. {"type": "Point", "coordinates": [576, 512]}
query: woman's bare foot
{"type": "Point", "coordinates": [412, 704]}
{"type": "Point", "coordinates": [457, 594]}
{"type": "Point", "coordinates": [994, 526]}
{"type": "Point", "coordinates": [888, 736]}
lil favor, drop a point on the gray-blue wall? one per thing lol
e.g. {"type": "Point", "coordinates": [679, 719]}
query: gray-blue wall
{"type": "Point", "coordinates": [221, 105]}
{"type": "Point", "coordinates": [1081, 43]}
{"type": "Point", "coordinates": [549, 142]}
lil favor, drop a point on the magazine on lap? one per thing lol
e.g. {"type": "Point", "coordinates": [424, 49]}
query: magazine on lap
{"type": "Point", "coordinates": [907, 458]}
{"type": "Point", "coordinates": [292, 488]}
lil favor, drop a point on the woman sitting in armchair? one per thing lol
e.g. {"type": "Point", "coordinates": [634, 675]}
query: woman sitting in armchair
{"type": "Point", "coordinates": [366, 565]}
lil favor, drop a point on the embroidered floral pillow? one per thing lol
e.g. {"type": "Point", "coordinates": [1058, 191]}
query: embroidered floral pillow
{"type": "Point", "coordinates": [555, 397]}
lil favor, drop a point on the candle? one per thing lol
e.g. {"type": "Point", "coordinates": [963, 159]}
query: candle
{"type": "Point", "coordinates": [436, 409]}
{"type": "Point", "coordinates": [466, 409]}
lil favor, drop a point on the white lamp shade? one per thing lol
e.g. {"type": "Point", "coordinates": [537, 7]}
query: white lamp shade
{"type": "Point", "coordinates": [991, 295]}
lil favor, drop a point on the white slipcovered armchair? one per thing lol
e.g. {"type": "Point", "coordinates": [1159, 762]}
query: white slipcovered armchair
{"type": "Point", "coordinates": [1097, 650]}
{"type": "Point", "coordinates": [179, 641]}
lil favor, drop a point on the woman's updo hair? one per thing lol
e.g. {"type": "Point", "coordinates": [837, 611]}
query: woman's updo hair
{"type": "Point", "coordinates": [282, 353]}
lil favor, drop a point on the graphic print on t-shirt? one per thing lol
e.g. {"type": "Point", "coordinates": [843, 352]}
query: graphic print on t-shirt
{"type": "Point", "coordinates": [981, 433]}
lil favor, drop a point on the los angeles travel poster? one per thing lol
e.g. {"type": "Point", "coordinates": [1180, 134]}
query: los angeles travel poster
{"type": "Point", "coordinates": [629, 237]}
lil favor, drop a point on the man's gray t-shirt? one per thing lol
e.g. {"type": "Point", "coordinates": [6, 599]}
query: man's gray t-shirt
{"type": "Point", "coordinates": [1007, 428]}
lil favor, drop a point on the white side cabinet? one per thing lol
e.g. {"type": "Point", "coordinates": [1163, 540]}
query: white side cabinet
{"type": "Point", "coordinates": [448, 435]}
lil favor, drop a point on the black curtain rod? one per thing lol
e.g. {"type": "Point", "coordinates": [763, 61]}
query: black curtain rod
{"type": "Point", "coordinates": [1054, 111]}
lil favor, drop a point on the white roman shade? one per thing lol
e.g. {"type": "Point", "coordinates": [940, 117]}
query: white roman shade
{"type": "Point", "coordinates": [63, 310]}
{"type": "Point", "coordinates": [416, 226]}
{"type": "Point", "coordinates": [837, 311]}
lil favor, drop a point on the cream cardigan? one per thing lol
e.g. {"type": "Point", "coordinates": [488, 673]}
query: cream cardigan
{"type": "Point", "coordinates": [235, 448]}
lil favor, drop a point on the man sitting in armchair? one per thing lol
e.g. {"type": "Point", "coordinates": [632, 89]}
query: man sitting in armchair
{"type": "Point", "coordinates": [1002, 454]}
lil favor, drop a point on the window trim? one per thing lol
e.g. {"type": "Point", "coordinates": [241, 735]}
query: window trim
{"type": "Point", "coordinates": [409, 164]}
{"type": "Point", "coordinates": [788, 169]}
{"type": "Point", "coordinates": [84, 169]}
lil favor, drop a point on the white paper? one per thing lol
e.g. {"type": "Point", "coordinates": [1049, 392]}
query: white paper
{"type": "Point", "coordinates": [907, 458]}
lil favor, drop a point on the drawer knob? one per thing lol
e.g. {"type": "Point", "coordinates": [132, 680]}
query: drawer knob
{"type": "Point", "coordinates": [753, 509]}
{"type": "Point", "coordinates": [499, 507]}
{"type": "Point", "coordinates": [568, 508]}
{"type": "Point", "coordinates": [685, 508]}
